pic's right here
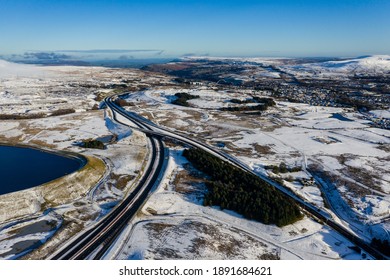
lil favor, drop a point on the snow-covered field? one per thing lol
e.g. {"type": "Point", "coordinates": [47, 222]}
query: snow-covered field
{"type": "Point", "coordinates": [9, 70]}
{"type": "Point", "coordinates": [69, 204]}
{"type": "Point", "coordinates": [334, 141]}
{"type": "Point", "coordinates": [175, 225]}
{"type": "Point", "coordinates": [376, 64]}
{"type": "Point", "coordinates": [368, 65]}
{"type": "Point", "coordinates": [30, 89]}
{"type": "Point", "coordinates": [348, 157]}
{"type": "Point", "coordinates": [87, 202]}
{"type": "Point", "coordinates": [381, 114]}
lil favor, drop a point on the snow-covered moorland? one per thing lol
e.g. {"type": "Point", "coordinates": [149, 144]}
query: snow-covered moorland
{"type": "Point", "coordinates": [376, 64]}
{"type": "Point", "coordinates": [336, 146]}
{"type": "Point", "coordinates": [331, 157]}
{"type": "Point", "coordinates": [52, 213]}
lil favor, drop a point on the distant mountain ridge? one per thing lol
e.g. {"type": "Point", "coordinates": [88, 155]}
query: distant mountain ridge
{"type": "Point", "coordinates": [364, 64]}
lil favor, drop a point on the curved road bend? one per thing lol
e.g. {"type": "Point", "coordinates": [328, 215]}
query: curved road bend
{"type": "Point", "coordinates": [153, 129]}
{"type": "Point", "coordinates": [104, 233]}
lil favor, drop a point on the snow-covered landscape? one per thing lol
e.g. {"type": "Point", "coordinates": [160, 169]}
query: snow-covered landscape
{"type": "Point", "coordinates": [177, 226]}
{"type": "Point", "coordinates": [333, 157]}
{"type": "Point", "coordinates": [201, 139]}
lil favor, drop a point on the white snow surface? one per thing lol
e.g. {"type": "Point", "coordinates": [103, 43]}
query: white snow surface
{"type": "Point", "coordinates": [263, 60]}
{"type": "Point", "coordinates": [180, 221]}
{"type": "Point", "coordinates": [366, 64]}
{"type": "Point", "coordinates": [298, 134]}
{"type": "Point", "coordinates": [372, 63]}
{"type": "Point", "coordinates": [381, 114]}
{"type": "Point", "coordinates": [10, 69]}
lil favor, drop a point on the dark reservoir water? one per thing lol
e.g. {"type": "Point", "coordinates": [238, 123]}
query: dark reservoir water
{"type": "Point", "coordinates": [23, 168]}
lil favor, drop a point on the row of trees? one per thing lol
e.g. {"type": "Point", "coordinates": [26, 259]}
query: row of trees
{"type": "Point", "coordinates": [58, 112]}
{"type": "Point", "coordinates": [233, 189]}
{"type": "Point", "coordinates": [182, 98]}
{"type": "Point", "coordinates": [255, 99]}
{"type": "Point", "coordinates": [356, 103]}
{"type": "Point", "coordinates": [21, 116]}
{"type": "Point", "coordinates": [259, 107]}
{"type": "Point", "coordinates": [239, 101]}
{"type": "Point", "coordinates": [383, 246]}
{"type": "Point", "coordinates": [283, 168]}
{"type": "Point", "coordinates": [61, 112]}
{"type": "Point", "coordinates": [122, 102]}
{"type": "Point", "coordinates": [92, 144]}
{"type": "Point", "coordinates": [263, 104]}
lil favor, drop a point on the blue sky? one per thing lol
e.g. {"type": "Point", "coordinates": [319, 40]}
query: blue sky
{"type": "Point", "coordinates": [175, 28]}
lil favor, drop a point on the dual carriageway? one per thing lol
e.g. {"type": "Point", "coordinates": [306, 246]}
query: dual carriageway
{"type": "Point", "coordinates": [95, 241]}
